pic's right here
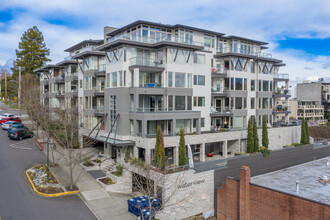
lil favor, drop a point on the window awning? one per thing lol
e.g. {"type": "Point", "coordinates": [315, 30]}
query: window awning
{"type": "Point", "coordinates": [114, 141]}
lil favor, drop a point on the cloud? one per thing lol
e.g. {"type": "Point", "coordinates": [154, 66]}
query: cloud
{"type": "Point", "coordinates": [65, 23]}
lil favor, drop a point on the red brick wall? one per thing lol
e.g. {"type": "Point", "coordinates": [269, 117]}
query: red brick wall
{"type": "Point", "coordinates": [267, 204]}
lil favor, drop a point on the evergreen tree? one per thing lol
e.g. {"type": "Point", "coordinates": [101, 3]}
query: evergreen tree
{"type": "Point", "coordinates": [306, 132]}
{"type": "Point", "coordinates": [255, 136]}
{"type": "Point", "coordinates": [182, 149]}
{"type": "Point", "coordinates": [159, 153]}
{"type": "Point", "coordinates": [303, 132]}
{"type": "Point", "coordinates": [265, 140]}
{"type": "Point", "coordinates": [32, 52]}
{"type": "Point", "coordinates": [250, 142]}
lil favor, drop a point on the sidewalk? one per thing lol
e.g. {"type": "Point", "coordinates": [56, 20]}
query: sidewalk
{"type": "Point", "coordinates": [103, 204]}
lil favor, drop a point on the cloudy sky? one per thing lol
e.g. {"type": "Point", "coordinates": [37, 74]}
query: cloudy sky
{"type": "Point", "coordinates": [298, 31]}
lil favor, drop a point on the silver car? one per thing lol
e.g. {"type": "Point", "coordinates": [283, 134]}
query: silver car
{"type": "Point", "coordinates": [6, 125]}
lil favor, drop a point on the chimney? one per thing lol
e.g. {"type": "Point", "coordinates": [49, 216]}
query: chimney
{"type": "Point", "coordinates": [244, 193]}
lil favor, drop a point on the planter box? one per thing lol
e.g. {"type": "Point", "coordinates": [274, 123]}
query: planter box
{"type": "Point", "coordinates": [89, 168]}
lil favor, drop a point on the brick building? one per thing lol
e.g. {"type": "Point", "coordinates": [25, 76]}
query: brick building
{"type": "Point", "coordinates": [263, 198]}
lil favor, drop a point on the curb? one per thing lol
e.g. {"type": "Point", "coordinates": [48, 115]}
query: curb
{"type": "Point", "coordinates": [48, 195]}
{"type": "Point", "coordinates": [39, 144]}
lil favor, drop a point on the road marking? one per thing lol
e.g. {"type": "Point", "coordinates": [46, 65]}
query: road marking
{"type": "Point", "coordinates": [24, 145]}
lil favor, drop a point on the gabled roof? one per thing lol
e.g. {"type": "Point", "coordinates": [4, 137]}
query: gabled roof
{"type": "Point", "coordinates": [78, 45]}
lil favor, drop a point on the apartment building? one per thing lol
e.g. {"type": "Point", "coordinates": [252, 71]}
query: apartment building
{"type": "Point", "coordinates": [308, 104]}
{"type": "Point", "coordinates": [326, 99]}
{"type": "Point", "coordinates": [147, 74]}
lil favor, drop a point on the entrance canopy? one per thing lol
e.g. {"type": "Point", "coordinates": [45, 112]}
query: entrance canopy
{"type": "Point", "coordinates": [114, 141]}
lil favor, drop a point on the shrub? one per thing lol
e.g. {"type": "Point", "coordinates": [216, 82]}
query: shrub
{"type": "Point", "coordinates": [97, 160]}
{"type": "Point", "coordinates": [182, 149]}
{"type": "Point", "coordinates": [119, 171]}
{"type": "Point", "coordinates": [108, 181]}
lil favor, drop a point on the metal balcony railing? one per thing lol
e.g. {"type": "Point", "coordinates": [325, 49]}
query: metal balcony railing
{"type": "Point", "coordinates": [281, 76]}
{"type": "Point", "coordinates": [219, 90]}
{"type": "Point", "coordinates": [154, 109]}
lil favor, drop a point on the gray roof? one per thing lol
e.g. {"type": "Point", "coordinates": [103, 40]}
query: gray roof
{"type": "Point", "coordinates": [66, 62]}
{"type": "Point", "coordinates": [46, 67]}
{"type": "Point", "coordinates": [141, 22]}
{"type": "Point", "coordinates": [308, 175]}
{"type": "Point", "coordinates": [86, 53]}
{"type": "Point", "coordinates": [90, 41]}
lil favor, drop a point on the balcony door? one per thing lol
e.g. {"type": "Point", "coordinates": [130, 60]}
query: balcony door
{"type": "Point", "coordinates": [218, 103]}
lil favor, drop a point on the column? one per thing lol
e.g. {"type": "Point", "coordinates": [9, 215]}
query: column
{"type": "Point", "coordinates": [198, 127]}
{"type": "Point", "coordinates": [244, 193]}
{"type": "Point", "coordinates": [144, 128]}
{"type": "Point", "coordinates": [224, 149]}
{"type": "Point", "coordinates": [174, 127]}
{"type": "Point", "coordinates": [176, 155]}
{"type": "Point", "coordinates": [136, 102]}
{"type": "Point", "coordinates": [136, 77]}
{"type": "Point", "coordinates": [202, 153]}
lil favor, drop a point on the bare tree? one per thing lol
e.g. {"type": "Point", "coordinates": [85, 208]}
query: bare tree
{"type": "Point", "coordinates": [61, 125]}
{"type": "Point", "coordinates": [160, 187]}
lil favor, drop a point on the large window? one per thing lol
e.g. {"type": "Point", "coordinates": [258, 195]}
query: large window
{"type": "Point", "coordinates": [199, 101]}
{"type": "Point", "coordinates": [113, 111]}
{"type": "Point", "coordinates": [238, 103]}
{"type": "Point", "coordinates": [170, 79]}
{"type": "Point", "coordinates": [180, 103]}
{"type": "Point", "coordinates": [265, 85]}
{"type": "Point", "coordinates": [238, 84]}
{"type": "Point", "coordinates": [170, 103]}
{"type": "Point", "coordinates": [199, 58]}
{"type": "Point", "coordinates": [252, 103]}
{"type": "Point", "coordinates": [259, 84]}
{"type": "Point", "coordinates": [114, 79]}
{"type": "Point", "coordinates": [245, 84]}
{"type": "Point", "coordinates": [180, 80]}
{"type": "Point", "coordinates": [199, 80]}
{"type": "Point", "coordinates": [253, 85]}
{"type": "Point", "coordinates": [189, 80]}
{"type": "Point", "coordinates": [232, 83]}
{"type": "Point", "coordinates": [265, 103]}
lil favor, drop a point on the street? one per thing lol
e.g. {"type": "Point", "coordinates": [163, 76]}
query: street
{"type": "Point", "coordinates": [17, 200]}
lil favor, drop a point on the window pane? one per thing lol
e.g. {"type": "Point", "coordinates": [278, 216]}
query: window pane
{"type": "Point", "coordinates": [253, 85]}
{"type": "Point", "coordinates": [265, 85]}
{"type": "Point", "coordinates": [238, 103]}
{"type": "Point", "coordinates": [201, 80]}
{"type": "Point", "coordinates": [114, 79]}
{"type": "Point", "coordinates": [170, 79]}
{"type": "Point", "coordinates": [195, 79]}
{"type": "Point", "coordinates": [180, 102]}
{"type": "Point", "coordinates": [180, 80]}
{"type": "Point", "coordinates": [201, 101]}
{"type": "Point", "coordinates": [238, 83]}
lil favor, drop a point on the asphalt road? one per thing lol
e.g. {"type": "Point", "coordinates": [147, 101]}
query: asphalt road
{"type": "Point", "coordinates": [17, 200]}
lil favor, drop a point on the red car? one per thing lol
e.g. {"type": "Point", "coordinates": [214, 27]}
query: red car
{"type": "Point", "coordinates": [3, 120]}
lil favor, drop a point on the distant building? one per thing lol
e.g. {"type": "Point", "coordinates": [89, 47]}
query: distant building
{"type": "Point", "coordinates": [308, 104]}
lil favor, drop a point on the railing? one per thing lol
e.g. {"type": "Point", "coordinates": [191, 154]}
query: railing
{"type": "Point", "coordinates": [59, 77]}
{"type": "Point", "coordinates": [224, 110]}
{"type": "Point", "coordinates": [241, 51]}
{"type": "Point", "coordinates": [281, 109]}
{"type": "Point", "coordinates": [98, 88]}
{"type": "Point", "coordinates": [220, 70]}
{"type": "Point", "coordinates": [166, 38]}
{"type": "Point", "coordinates": [154, 135]}
{"type": "Point", "coordinates": [150, 85]}
{"type": "Point", "coordinates": [100, 67]}
{"type": "Point", "coordinates": [154, 109]}
{"type": "Point", "coordinates": [223, 90]}
{"type": "Point", "coordinates": [99, 109]}
{"type": "Point", "coordinates": [310, 106]}
{"type": "Point", "coordinates": [145, 62]}
{"type": "Point", "coordinates": [281, 76]}
{"type": "Point", "coordinates": [59, 92]}
{"type": "Point", "coordinates": [282, 92]}
{"type": "Point", "coordinates": [68, 58]}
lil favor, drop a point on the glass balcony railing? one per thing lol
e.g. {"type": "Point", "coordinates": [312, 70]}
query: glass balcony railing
{"type": "Point", "coordinates": [145, 62]}
{"type": "Point", "coordinates": [282, 92]}
{"type": "Point", "coordinates": [281, 76]}
{"type": "Point", "coordinates": [59, 77]}
{"type": "Point", "coordinates": [222, 110]}
{"type": "Point", "coordinates": [281, 109]}
{"type": "Point", "coordinates": [219, 90]}
{"type": "Point", "coordinates": [154, 109]}
{"type": "Point", "coordinates": [241, 51]}
{"type": "Point", "coordinates": [165, 38]}
{"type": "Point", "coordinates": [219, 70]}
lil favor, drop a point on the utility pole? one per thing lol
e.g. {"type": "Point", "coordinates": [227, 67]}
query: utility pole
{"type": "Point", "coordinates": [6, 86]}
{"type": "Point", "coordinates": [19, 89]}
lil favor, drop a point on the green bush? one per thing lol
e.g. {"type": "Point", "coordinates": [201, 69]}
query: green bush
{"type": "Point", "coordinates": [119, 171]}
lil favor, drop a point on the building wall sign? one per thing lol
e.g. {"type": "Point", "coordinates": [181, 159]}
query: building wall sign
{"type": "Point", "coordinates": [189, 184]}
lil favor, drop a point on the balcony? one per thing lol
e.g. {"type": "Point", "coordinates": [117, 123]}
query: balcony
{"type": "Point", "coordinates": [219, 92]}
{"type": "Point", "coordinates": [100, 70]}
{"type": "Point", "coordinates": [99, 90]}
{"type": "Point", "coordinates": [219, 72]}
{"type": "Point", "coordinates": [157, 42]}
{"type": "Point", "coordinates": [281, 77]}
{"type": "Point", "coordinates": [282, 93]}
{"type": "Point", "coordinates": [146, 65]}
{"type": "Point", "coordinates": [148, 110]}
{"type": "Point", "coordinates": [310, 107]}
{"type": "Point", "coordinates": [59, 94]}
{"type": "Point", "coordinates": [220, 112]}
{"type": "Point", "coordinates": [243, 52]}
{"type": "Point", "coordinates": [99, 111]}
{"type": "Point", "coordinates": [281, 110]}
{"type": "Point", "coordinates": [59, 79]}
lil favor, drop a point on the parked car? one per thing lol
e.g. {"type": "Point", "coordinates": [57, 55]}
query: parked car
{"type": "Point", "coordinates": [20, 133]}
{"type": "Point", "coordinates": [8, 124]}
{"type": "Point", "coordinates": [20, 125]}
{"type": "Point", "coordinates": [3, 120]}
{"type": "Point", "coordinates": [7, 115]}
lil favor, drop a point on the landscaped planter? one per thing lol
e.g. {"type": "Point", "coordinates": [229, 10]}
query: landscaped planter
{"type": "Point", "coordinates": [91, 167]}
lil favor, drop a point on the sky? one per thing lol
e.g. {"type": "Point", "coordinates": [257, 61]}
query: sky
{"type": "Point", "coordinates": [298, 31]}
